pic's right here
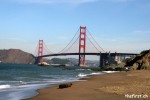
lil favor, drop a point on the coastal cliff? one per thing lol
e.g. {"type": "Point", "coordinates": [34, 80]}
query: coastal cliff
{"type": "Point", "coordinates": [141, 61]}
{"type": "Point", "coordinates": [16, 56]}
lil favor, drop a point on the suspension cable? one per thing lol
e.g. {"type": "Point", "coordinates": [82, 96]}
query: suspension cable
{"type": "Point", "coordinates": [46, 48]}
{"type": "Point", "coordinates": [71, 45]}
{"type": "Point", "coordinates": [69, 42]}
{"type": "Point", "coordinates": [92, 43]}
{"type": "Point", "coordinates": [35, 52]}
{"type": "Point", "coordinates": [96, 41]}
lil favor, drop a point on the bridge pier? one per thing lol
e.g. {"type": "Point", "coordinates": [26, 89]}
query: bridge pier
{"type": "Point", "coordinates": [119, 58]}
{"type": "Point", "coordinates": [106, 59]}
{"type": "Point", "coordinates": [101, 60]}
{"type": "Point", "coordinates": [79, 60]}
{"type": "Point", "coordinates": [37, 60]}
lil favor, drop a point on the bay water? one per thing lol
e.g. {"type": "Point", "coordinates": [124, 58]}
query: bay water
{"type": "Point", "coordinates": [20, 81]}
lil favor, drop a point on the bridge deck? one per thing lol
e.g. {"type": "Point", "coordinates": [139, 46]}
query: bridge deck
{"type": "Point", "coordinates": [103, 54]}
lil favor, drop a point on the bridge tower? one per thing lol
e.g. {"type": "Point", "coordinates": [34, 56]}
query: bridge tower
{"type": "Point", "coordinates": [40, 50]}
{"type": "Point", "coordinates": [82, 45]}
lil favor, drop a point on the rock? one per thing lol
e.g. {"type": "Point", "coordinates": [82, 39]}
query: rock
{"type": "Point", "coordinates": [141, 61]}
{"type": "Point", "coordinates": [65, 85]}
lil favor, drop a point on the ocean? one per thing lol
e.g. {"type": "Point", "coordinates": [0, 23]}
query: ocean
{"type": "Point", "coordinates": [21, 81]}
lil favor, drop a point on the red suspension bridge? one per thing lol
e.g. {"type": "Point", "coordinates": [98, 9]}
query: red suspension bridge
{"type": "Point", "coordinates": [81, 44]}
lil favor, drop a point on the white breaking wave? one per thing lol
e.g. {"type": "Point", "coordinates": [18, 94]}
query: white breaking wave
{"type": "Point", "coordinates": [95, 73]}
{"type": "Point", "coordinates": [4, 86]}
{"type": "Point", "coordinates": [80, 69]}
{"type": "Point", "coordinates": [110, 71]}
{"type": "Point", "coordinates": [82, 75]}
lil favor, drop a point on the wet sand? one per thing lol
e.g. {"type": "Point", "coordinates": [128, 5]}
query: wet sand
{"type": "Point", "coordinates": [112, 86]}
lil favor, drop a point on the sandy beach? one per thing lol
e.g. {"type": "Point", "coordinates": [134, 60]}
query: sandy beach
{"type": "Point", "coordinates": [113, 86]}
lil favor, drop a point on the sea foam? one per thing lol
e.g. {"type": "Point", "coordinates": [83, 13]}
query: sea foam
{"type": "Point", "coordinates": [4, 86]}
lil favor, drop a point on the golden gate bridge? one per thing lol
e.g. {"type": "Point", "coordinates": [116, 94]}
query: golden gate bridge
{"type": "Point", "coordinates": [82, 44]}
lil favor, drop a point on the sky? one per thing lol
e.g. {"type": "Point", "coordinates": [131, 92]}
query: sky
{"type": "Point", "coordinates": [117, 25]}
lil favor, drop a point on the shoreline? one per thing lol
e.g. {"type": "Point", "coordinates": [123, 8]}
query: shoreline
{"type": "Point", "coordinates": [110, 86]}
{"type": "Point", "coordinates": [57, 85]}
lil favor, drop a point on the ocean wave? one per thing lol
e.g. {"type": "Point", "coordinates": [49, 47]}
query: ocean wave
{"type": "Point", "coordinates": [5, 86]}
{"type": "Point", "coordinates": [82, 75]}
{"type": "Point", "coordinates": [23, 83]}
{"type": "Point", "coordinates": [96, 73]}
{"type": "Point", "coordinates": [46, 76]}
{"type": "Point", "coordinates": [110, 71]}
{"type": "Point", "coordinates": [80, 69]}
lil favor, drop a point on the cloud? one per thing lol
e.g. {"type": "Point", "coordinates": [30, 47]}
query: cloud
{"type": "Point", "coordinates": [74, 2]}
